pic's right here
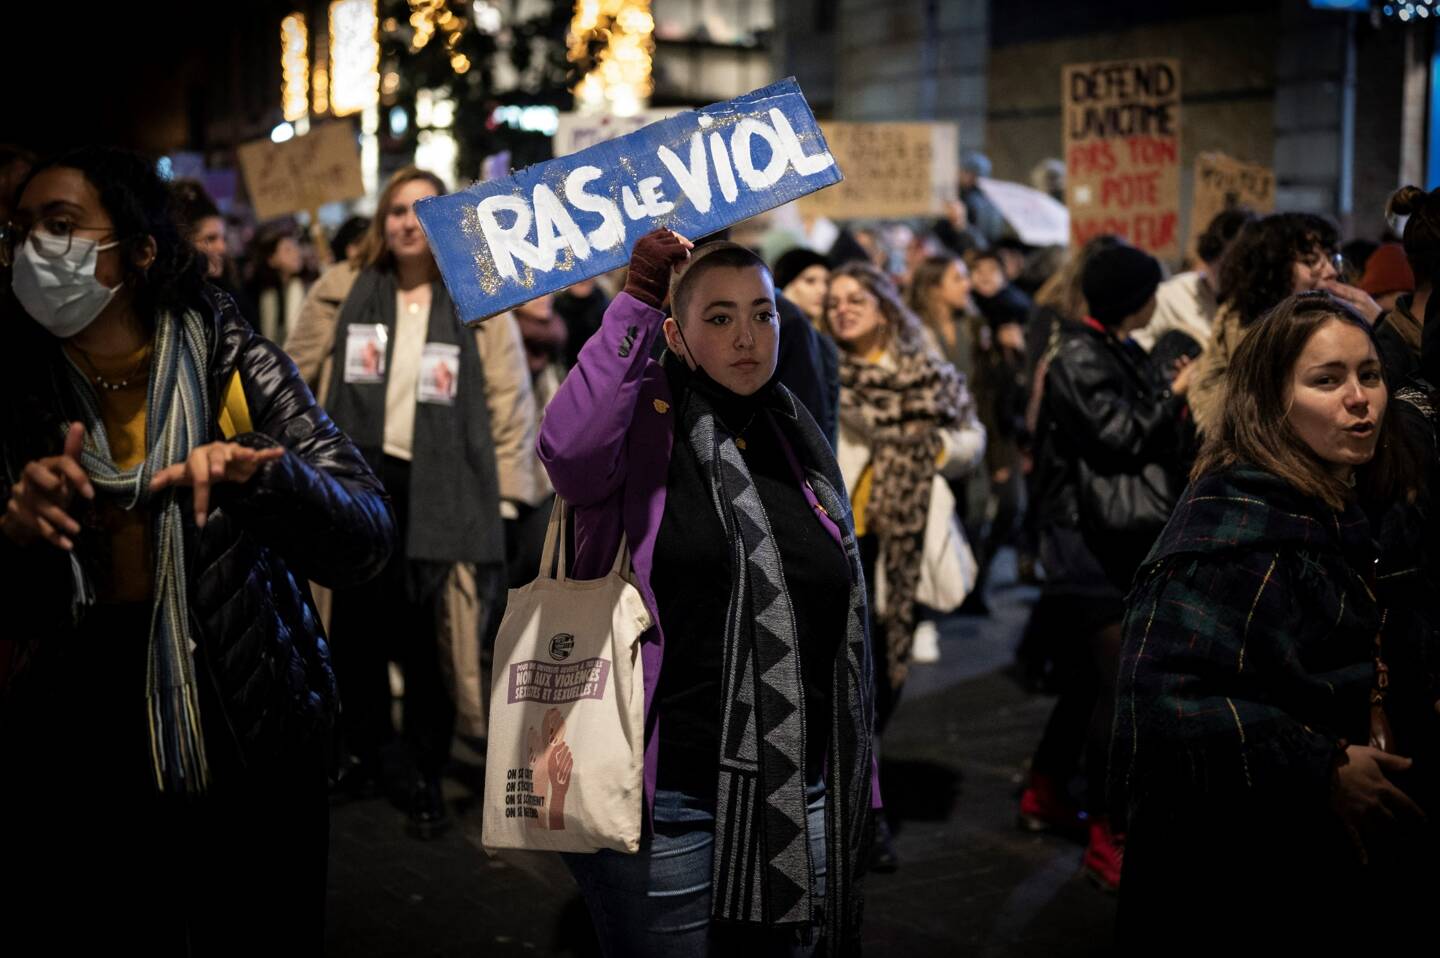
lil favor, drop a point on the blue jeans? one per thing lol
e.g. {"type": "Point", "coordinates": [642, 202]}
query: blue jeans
{"type": "Point", "coordinates": [657, 902]}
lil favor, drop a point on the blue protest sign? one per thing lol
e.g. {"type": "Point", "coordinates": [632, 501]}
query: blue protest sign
{"type": "Point", "coordinates": [551, 225]}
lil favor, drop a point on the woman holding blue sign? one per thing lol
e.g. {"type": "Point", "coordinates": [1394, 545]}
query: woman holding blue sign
{"type": "Point", "coordinates": [446, 417]}
{"type": "Point", "coordinates": [757, 775]}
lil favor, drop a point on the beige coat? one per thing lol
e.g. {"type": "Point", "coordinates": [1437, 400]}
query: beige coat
{"type": "Point", "coordinates": [513, 423]}
{"type": "Point", "coordinates": [1185, 302]}
{"type": "Point", "coordinates": [1206, 394]}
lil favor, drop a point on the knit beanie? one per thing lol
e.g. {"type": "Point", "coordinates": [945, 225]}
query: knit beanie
{"type": "Point", "coordinates": [1388, 271]}
{"type": "Point", "coordinates": [1118, 282]}
{"type": "Point", "coordinates": [795, 261]}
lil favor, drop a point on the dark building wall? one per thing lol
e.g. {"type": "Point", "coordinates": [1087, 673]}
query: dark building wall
{"type": "Point", "coordinates": [1263, 80]}
{"type": "Point", "coordinates": [899, 60]}
{"type": "Point", "coordinates": [1227, 68]}
{"type": "Point", "coordinates": [1379, 97]}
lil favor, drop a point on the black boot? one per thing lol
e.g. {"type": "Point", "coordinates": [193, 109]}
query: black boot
{"type": "Point", "coordinates": [356, 780]}
{"type": "Point", "coordinates": [428, 817]}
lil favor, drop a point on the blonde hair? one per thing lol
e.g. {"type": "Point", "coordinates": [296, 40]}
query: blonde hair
{"type": "Point", "coordinates": [372, 250]}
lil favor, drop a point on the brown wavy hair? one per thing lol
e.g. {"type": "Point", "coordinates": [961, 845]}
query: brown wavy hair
{"type": "Point", "coordinates": [902, 326]}
{"type": "Point", "coordinates": [1255, 425]}
{"type": "Point", "coordinates": [372, 251]}
{"type": "Point", "coordinates": [922, 296]}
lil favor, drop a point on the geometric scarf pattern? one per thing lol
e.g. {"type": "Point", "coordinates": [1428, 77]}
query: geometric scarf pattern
{"type": "Point", "coordinates": [177, 417]}
{"type": "Point", "coordinates": [901, 412]}
{"type": "Point", "coordinates": [762, 870]}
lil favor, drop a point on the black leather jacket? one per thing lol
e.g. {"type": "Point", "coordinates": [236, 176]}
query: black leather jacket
{"type": "Point", "coordinates": [1105, 413]}
{"type": "Point", "coordinates": [318, 513]}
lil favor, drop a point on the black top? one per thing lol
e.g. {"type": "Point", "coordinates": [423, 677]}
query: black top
{"type": "Point", "coordinates": [1106, 418]}
{"type": "Point", "coordinates": [692, 578]}
{"type": "Point", "coordinates": [582, 315]}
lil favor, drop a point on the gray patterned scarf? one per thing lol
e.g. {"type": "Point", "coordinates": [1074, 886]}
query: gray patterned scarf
{"type": "Point", "coordinates": [177, 417]}
{"type": "Point", "coordinates": [762, 869]}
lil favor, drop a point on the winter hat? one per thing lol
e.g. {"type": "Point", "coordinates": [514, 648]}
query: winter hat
{"type": "Point", "coordinates": [1118, 282]}
{"type": "Point", "coordinates": [795, 261]}
{"type": "Point", "coordinates": [973, 161]}
{"type": "Point", "coordinates": [1388, 271]}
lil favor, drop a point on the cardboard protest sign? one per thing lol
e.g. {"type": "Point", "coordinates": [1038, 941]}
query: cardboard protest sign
{"type": "Point", "coordinates": [578, 131]}
{"type": "Point", "coordinates": [303, 173]}
{"type": "Point", "coordinates": [893, 170]}
{"type": "Point", "coordinates": [554, 224]}
{"type": "Point", "coordinates": [1122, 152]}
{"type": "Point", "coordinates": [1222, 182]}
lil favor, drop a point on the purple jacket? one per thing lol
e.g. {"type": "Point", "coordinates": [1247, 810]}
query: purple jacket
{"type": "Point", "coordinates": [606, 441]}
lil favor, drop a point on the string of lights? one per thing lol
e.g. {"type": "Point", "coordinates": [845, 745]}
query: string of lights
{"type": "Point", "coordinates": [611, 42]}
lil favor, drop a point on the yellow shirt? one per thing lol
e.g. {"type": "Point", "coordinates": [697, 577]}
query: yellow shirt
{"type": "Point", "coordinates": [128, 574]}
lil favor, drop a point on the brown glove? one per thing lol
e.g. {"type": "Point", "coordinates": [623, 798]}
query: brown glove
{"type": "Point", "coordinates": [651, 262]}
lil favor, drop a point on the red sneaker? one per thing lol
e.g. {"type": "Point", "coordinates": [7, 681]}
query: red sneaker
{"type": "Point", "coordinates": [1044, 806]}
{"type": "Point", "coordinates": [1104, 855]}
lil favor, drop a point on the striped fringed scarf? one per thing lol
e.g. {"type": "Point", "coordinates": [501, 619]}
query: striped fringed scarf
{"type": "Point", "coordinates": [177, 416]}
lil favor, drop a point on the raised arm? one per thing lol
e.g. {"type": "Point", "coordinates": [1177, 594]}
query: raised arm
{"type": "Point", "coordinates": [582, 438]}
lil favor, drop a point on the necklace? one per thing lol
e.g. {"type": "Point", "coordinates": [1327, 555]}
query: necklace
{"type": "Point", "coordinates": [117, 384]}
{"type": "Point", "coordinates": [414, 299]}
{"type": "Point", "coordinates": [740, 433]}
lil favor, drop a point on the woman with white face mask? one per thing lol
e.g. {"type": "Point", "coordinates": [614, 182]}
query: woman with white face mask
{"type": "Point", "coordinates": [168, 481]}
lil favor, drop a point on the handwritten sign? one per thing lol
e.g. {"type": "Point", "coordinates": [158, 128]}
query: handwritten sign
{"type": "Point", "coordinates": [578, 131]}
{"type": "Point", "coordinates": [1222, 182]}
{"type": "Point", "coordinates": [892, 170]}
{"type": "Point", "coordinates": [304, 173]}
{"type": "Point", "coordinates": [1122, 152]}
{"type": "Point", "coordinates": [556, 223]}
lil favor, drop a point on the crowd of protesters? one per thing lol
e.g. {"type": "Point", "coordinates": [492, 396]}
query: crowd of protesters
{"type": "Point", "coordinates": [248, 476]}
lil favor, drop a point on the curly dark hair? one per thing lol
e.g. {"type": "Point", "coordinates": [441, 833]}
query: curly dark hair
{"type": "Point", "coordinates": [1257, 271]}
{"type": "Point", "coordinates": [192, 204]}
{"type": "Point", "coordinates": [1211, 245]}
{"type": "Point", "coordinates": [141, 205]}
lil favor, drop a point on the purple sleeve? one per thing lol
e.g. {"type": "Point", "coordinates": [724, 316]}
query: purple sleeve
{"type": "Point", "coordinates": [582, 438]}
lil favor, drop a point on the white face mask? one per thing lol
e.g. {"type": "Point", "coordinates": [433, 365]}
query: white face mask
{"type": "Point", "coordinates": [61, 293]}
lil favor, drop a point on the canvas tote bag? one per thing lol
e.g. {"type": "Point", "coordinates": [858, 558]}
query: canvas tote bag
{"type": "Point", "coordinates": [564, 761]}
{"type": "Point", "coordinates": [948, 570]}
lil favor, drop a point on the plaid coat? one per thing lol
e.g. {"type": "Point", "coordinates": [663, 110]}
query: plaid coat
{"type": "Point", "coordinates": [1246, 669]}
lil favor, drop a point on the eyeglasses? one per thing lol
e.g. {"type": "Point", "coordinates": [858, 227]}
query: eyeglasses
{"type": "Point", "coordinates": [51, 237]}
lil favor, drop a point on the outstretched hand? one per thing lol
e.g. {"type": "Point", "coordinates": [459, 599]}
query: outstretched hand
{"type": "Point", "coordinates": [210, 464]}
{"type": "Point", "coordinates": [39, 503]}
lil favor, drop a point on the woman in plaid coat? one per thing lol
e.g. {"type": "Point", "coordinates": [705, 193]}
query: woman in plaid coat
{"type": "Point", "coordinates": [1266, 803]}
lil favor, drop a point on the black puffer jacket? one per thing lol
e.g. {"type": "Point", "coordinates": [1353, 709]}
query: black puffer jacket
{"type": "Point", "coordinates": [318, 513]}
{"type": "Point", "coordinates": [1106, 420]}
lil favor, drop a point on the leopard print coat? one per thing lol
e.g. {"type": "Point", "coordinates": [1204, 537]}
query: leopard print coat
{"type": "Point", "coordinates": [901, 412]}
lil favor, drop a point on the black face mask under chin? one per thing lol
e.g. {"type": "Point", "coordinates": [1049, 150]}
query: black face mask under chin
{"type": "Point", "coordinates": [715, 391]}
